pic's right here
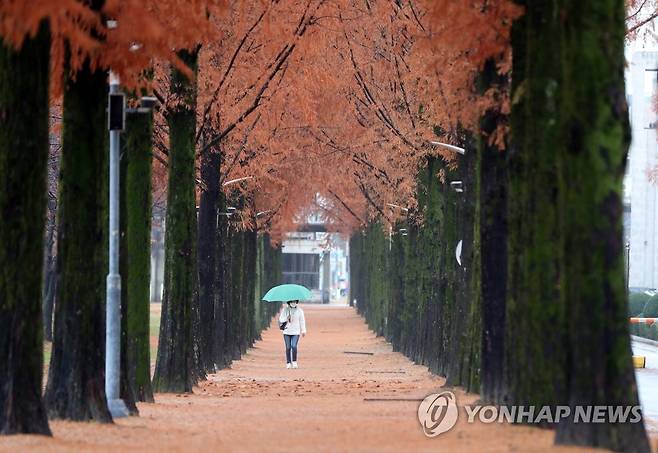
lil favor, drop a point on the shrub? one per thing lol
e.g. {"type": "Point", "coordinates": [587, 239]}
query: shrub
{"type": "Point", "coordinates": [651, 308]}
{"type": "Point", "coordinates": [636, 303]}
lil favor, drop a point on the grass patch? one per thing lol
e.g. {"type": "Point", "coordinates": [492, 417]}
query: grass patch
{"type": "Point", "coordinates": [47, 352]}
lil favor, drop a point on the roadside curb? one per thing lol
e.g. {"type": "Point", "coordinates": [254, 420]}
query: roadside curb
{"type": "Point", "coordinates": [644, 340]}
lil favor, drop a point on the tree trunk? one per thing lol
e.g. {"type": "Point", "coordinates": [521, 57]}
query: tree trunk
{"type": "Point", "coordinates": [220, 348]}
{"type": "Point", "coordinates": [234, 330]}
{"type": "Point", "coordinates": [126, 391]}
{"type": "Point", "coordinates": [136, 260]}
{"type": "Point", "coordinates": [259, 291]}
{"type": "Point", "coordinates": [533, 300]}
{"type": "Point", "coordinates": [492, 181]}
{"type": "Point", "coordinates": [472, 258]}
{"type": "Point", "coordinates": [249, 287]}
{"type": "Point", "coordinates": [175, 366]}
{"type": "Point", "coordinates": [451, 309]}
{"type": "Point", "coordinates": [596, 137]}
{"type": "Point", "coordinates": [207, 253]}
{"type": "Point", "coordinates": [428, 265]}
{"type": "Point", "coordinates": [76, 381]}
{"type": "Point", "coordinates": [23, 170]}
{"type": "Point", "coordinates": [397, 276]}
{"type": "Point", "coordinates": [50, 277]}
{"type": "Point", "coordinates": [465, 336]}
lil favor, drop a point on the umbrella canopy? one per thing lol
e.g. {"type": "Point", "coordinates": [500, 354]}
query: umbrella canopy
{"type": "Point", "coordinates": [285, 293]}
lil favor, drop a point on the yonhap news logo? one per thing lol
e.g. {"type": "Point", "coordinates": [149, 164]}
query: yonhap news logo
{"type": "Point", "coordinates": [438, 413]}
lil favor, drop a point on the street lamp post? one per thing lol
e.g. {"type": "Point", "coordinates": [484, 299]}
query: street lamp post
{"type": "Point", "coordinates": [233, 181]}
{"type": "Point", "coordinates": [628, 266]}
{"type": "Point", "coordinates": [398, 206]}
{"type": "Point", "coordinates": [454, 148]}
{"type": "Point", "coordinates": [116, 120]}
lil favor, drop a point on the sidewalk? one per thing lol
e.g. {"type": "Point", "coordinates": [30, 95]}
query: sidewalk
{"type": "Point", "coordinates": [259, 405]}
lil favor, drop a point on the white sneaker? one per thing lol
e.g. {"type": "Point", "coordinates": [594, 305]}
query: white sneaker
{"type": "Point", "coordinates": [288, 365]}
{"type": "Point", "coordinates": [294, 365]}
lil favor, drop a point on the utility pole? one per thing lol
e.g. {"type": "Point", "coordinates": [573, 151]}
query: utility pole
{"type": "Point", "coordinates": [116, 121]}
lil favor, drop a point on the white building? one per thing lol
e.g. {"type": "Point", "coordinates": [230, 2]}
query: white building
{"type": "Point", "coordinates": [640, 195]}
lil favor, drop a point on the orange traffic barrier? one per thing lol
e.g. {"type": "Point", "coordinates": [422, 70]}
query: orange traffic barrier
{"type": "Point", "coordinates": [648, 321]}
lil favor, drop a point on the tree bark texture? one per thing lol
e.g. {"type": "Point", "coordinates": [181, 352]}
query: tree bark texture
{"type": "Point", "coordinates": [23, 170]}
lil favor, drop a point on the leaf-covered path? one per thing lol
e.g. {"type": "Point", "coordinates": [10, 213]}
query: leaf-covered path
{"type": "Point", "coordinates": [259, 405]}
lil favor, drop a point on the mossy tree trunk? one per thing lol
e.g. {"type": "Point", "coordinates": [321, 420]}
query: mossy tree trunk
{"type": "Point", "coordinates": [76, 381]}
{"type": "Point", "coordinates": [50, 271]}
{"type": "Point", "coordinates": [251, 251]}
{"type": "Point", "coordinates": [220, 313]}
{"type": "Point", "coordinates": [375, 300]}
{"type": "Point", "coordinates": [534, 313]}
{"type": "Point", "coordinates": [427, 263]}
{"type": "Point", "coordinates": [245, 300]}
{"type": "Point", "coordinates": [355, 267]}
{"type": "Point", "coordinates": [465, 335]}
{"type": "Point", "coordinates": [246, 266]}
{"type": "Point", "coordinates": [23, 170]}
{"type": "Point", "coordinates": [175, 366]}
{"type": "Point", "coordinates": [492, 223]}
{"type": "Point", "coordinates": [258, 290]}
{"type": "Point", "coordinates": [596, 135]}
{"type": "Point", "coordinates": [136, 259]}
{"type": "Point", "coordinates": [450, 316]}
{"type": "Point", "coordinates": [409, 321]}
{"type": "Point", "coordinates": [231, 265]}
{"type": "Point", "coordinates": [472, 256]}
{"type": "Point", "coordinates": [207, 252]}
{"type": "Point", "coordinates": [411, 287]}
{"type": "Point", "coordinates": [270, 276]}
{"type": "Point", "coordinates": [236, 293]}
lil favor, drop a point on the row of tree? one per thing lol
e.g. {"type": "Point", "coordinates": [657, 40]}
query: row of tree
{"type": "Point", "coordinates": [534, 309]}
{"type": "Point", "coordinates": [75, 385]}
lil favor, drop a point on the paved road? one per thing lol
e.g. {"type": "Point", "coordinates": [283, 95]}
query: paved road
{"type": "Point", "coordinates": [647, 382]}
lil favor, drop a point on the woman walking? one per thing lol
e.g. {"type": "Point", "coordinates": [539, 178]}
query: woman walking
{"type": "Point", "coordinates": [295, 324]}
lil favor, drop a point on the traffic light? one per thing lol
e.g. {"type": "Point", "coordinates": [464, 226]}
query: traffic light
{"type": "Point", "coordinates": [117, 113]}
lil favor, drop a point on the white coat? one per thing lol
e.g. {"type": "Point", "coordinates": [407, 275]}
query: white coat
{"type": "Point", "coordinates": [296, 322]}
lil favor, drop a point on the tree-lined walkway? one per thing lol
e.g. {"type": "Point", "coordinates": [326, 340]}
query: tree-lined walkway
{"type": "Point", "coordinates": [259, 405]}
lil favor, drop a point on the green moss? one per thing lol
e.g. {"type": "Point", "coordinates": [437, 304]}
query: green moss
{"type": "Point", "coordinates": [136, 255]}
{"type": "Point", "coordinates": [534, 304]}
{"type": "Point", "coordinates": [75, 387]}
{"type": "Point", "coordinates": [175, 367]}
{"type": "Point", "coordinates": [406, 284]}
{"type": "Point", "coordinates": [595, 139]}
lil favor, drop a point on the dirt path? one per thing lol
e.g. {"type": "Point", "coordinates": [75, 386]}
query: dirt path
{"type": "Point", "coordinates": [259, 405]}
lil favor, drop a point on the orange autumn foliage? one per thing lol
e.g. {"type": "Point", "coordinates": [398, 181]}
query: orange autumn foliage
{"type": "Point", "coordinates": [328, 105]}
{"type": "Point", "coordinates": [81, 31]}
{"type": "Point", "coordinates": [344, 129]}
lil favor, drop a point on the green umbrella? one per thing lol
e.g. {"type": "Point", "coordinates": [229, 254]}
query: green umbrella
{"type": "Point", "coordinates": [284, 293]}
